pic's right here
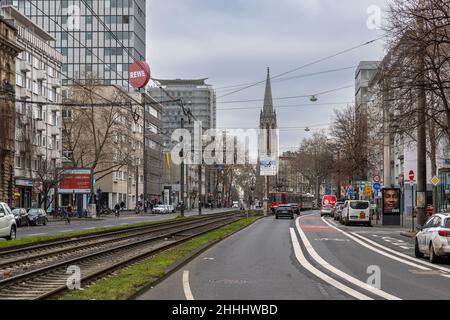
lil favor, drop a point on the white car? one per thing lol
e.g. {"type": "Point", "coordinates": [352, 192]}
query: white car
{"type": "Point", "coordinates": [161, 208]}
{"type": "Point", "coordinates": [8, 225]}
{"type": "Point", "coordinates": [356, 211]}
{"type": "Point", "coordinates": [434, 238]}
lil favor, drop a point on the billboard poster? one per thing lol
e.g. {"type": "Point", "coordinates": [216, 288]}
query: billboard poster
{"type": "Point", "coordinates": [268, 166]}
{"type": "Point", "coordinates": [78, 181]}
{"type": "Point", "coordinates": [391, 201]}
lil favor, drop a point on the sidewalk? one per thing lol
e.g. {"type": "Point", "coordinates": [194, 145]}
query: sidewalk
{"type": "Point", "coordinates": [405, 229]}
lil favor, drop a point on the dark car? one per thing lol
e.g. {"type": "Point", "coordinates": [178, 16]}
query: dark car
{"type": "Point", "coordinates": [37, 217]}
{"type": "Point", "coordinates": [295, 208]}
{"type": "Point", "coordinates": [21, 216]}
{"type": "Point", "coordinates": [284, 211]}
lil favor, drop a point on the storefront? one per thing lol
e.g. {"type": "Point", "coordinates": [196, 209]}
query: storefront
{"type": "Point", "coordinates": [23, 193]}
{"type": "Point", "coordinates": [444, 190]}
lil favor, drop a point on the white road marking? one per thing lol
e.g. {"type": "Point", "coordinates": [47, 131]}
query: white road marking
{"type": "Point", "coordinates": [406, 248]}
{"type": "Point", "coordinates": [305, 263]}
{"type": "Point", "coordinates": [338, 272]}
{"type": "Point", "coordinates": [403, 255]}
{"type": "Point", "coordinates": [446, 275]}
{"type": "Point", "coordinates": [377, 250]}
{"type": "Point", "coordinates": [186, 287]}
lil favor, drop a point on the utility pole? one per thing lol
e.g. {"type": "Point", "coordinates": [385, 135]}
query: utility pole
{"type": "Point", "coordinates": [137, 183]}
{"type": "Point", "coordinates": [421, 132]}
{"type": "Point", "coordinates": [145, 150]}
{"type": "Point", "coordinates": [182, 173]}
{"type": "Point", "coordinates": [200, 189]}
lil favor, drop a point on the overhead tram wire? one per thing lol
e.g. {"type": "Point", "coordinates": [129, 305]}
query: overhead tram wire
{"type": "Point", "coordinates": [305, 66]}
{"type": "Point", "coordinates": [229, 88]}
{"type": "Point", "coordinates": [290, 106]}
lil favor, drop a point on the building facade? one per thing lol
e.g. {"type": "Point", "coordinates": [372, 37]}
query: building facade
{"type": "Point", "coordinates": [37, 124]}
{"type": "Point", "coordinates": [9, 50]}
{"type": "Point", "coordinates": [200, 98]}
{"type": "Point", "coordinates": [89, 50]}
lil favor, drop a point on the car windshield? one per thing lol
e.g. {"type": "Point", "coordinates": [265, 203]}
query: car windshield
{"type": "Point", "coordinates": [447, 223]}
{"type": "Point", "coordinates": [16, 212]}
{"type": "Point", "coordinates": [359, 205]}
{"type": "Point", "coordinates": [33, 212]}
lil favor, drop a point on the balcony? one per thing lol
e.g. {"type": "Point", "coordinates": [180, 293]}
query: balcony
{"type": "Point", "coordinates": [41, 75]}
{"type": "Point", "coordinates": [24, 93]}
{"type": "Point", "coordinates": [54, 82]}
{"type": "Point", "coordinates": [24, 66]}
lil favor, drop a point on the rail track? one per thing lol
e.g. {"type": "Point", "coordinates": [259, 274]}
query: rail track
{"type": "Point", "coordinates": [41, 271]}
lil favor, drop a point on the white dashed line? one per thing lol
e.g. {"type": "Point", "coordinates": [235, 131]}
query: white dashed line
{"type": "Point", "coordinates": [186, 286]}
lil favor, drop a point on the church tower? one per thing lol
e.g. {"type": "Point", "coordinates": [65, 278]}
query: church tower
{"type": "Point", "coordinates": [268, 143]}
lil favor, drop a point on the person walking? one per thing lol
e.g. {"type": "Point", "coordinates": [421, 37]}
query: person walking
{"type": "Point", "coordinates": [67, 214]}
{"type": "Point", "coordinates": [117, 210]}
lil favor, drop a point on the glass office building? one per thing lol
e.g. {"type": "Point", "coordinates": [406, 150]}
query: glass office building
{"type": "Point", "coordinates": [89, 50]}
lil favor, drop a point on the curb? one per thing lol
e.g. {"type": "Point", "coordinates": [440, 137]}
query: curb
{"type": "Point", "coordinates": [408, 234]}
{"type": "Point", "coordinates": [183, 261]}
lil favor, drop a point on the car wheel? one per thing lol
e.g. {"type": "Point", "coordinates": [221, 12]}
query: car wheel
{"type": "Point", "coordinates": [369, 224]}
{"type": "Point", "coordinates": [276, 216]}
{"type": "Point", "coordinates": [12, 234]}
{"type": "Point", "coordinates": [433, 257]}
{"type": "Point", "coordinates": [45, 222]}
{"type": "Point", "coordinates": [417, 252]}
{"type": "Point", "coordinates": [346, 222]}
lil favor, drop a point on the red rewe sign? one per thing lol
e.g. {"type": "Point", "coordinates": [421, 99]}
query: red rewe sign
{"type": "Point", "coordinates": [139, 74]}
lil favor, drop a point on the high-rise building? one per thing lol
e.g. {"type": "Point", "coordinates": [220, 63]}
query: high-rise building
{"type": "Point", "coordinates": [89, 50]}
{"type": "Point", "coordinates": [200, 98]}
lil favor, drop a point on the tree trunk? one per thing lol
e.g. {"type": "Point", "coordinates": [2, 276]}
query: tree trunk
{"type": "Point", "coordinates": [433, 147]}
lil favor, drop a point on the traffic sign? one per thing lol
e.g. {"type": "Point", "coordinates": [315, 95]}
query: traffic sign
{"type": "Point", "coordinates": [435, 181]}
{"type": "Point", "coordinates": [411, 176]}
{"type": "Point", "coordinates": [369, 192]}
{"type": "Point", "coordinates": [377, 186]}
{"type": "Point", "coordinates": [376, 179]}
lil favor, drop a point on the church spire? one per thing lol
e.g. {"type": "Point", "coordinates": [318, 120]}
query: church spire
{"type": "Point", "coordinates": [268, 101]}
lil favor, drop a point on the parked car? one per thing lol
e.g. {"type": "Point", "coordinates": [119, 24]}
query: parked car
{"type": "Point", "coordinates": [284, 211]}
{"type": "Point", "coordinates": [335, 208]}
{"type": "Point", "coordinates": [37, 216]}
{"type": "Point", "coordinates": [356, 211]}
{"type": "Point", "coordinates": [8, 226]}
{"type": "Point", "coordinates": [434, 238]}
{"type": "Point", "coordinates": [21, 216]}
{"type": "Point", "coordinates": [295, 208]}
{"type": "Point", "coordinates": [170, 208]}
{"type": "Point", "coordinates": [338, 212]}
{"type": "Point", "coordinates": [161, 208]}
{"type": "Point", "coordinates": [326, 210]}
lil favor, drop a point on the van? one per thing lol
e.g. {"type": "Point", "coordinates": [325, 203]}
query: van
{"type": "Point", "coordinates": [356, 211]}
{"type": "Point", "coordinates": [328, 200]}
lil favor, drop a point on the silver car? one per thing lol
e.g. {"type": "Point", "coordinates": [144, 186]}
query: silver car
{"type": "Point", "coordinates": [434, 238]}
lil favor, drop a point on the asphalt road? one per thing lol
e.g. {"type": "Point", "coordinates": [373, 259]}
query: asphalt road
{"type": "Point", "coordinates": [60, 227]}
{"type": "Point", "coordinates": [309, 258]}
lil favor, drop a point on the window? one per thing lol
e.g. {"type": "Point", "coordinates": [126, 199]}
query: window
{"type": "Point", "coordinates": [447, 223]}
{"type": "Point", "coordinates": [359, 205]}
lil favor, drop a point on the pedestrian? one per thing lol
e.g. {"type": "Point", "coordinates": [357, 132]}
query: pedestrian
{"type": "Point", "coordinates": [117, 209]}
{"type": "Point", "coordinates": [67, 214]}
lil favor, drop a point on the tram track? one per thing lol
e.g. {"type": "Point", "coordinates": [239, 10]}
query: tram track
{"type": "Point", "coordinates": [45, 273]}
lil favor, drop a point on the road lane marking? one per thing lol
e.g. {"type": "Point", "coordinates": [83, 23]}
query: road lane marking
{"type": "Point", "coordinates": [402, 254]}
{"type": "Point", "coordinates": [338, 272]}
{"type": "Point", "coordinates": [305, 263]}
{"type": "Point", "coordinates": [186, 286]}
{"type": "Point", "coordinates": [378, 250]}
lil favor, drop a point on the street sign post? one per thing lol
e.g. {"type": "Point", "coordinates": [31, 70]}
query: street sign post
{"type": "Point", "coordinates": [435, 181]}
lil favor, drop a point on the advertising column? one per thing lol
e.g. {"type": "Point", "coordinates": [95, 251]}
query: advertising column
{"type": "Point", "coordinates": [391, 207]}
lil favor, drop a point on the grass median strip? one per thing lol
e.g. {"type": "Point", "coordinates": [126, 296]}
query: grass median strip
{"type": "Point", "coordinates": [128, 282]}
{"type": "Point", "coordinates": [37, 239]}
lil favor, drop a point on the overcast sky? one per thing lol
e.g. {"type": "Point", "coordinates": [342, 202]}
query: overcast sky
{"type": "Point", "coordinates": [232, 42]}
